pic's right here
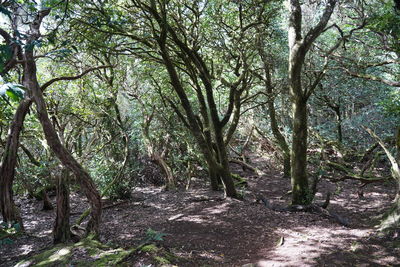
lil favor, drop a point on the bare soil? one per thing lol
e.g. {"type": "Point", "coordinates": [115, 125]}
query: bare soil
{"type": "Point", "coordinates": [204, 229]}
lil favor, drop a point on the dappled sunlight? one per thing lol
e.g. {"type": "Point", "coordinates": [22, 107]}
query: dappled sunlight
{"type": "Point", "coordinates": [25, 249]}
{"type": "Point", "coordinates": [301, 245]}
{"type": "Point", "coordinates": [218, 209]}
{"type": "Point", "coordinates": [193, 218]}
{"type": "Point", "coordinates": [212, 255]}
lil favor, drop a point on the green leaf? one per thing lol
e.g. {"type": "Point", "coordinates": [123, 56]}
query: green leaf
{"type": "Point", "coordinates": [17, 227]}
{"type": "Point", "coordinates": [13, 91]}
{"type": "Point", "coordinates": [5, 55]}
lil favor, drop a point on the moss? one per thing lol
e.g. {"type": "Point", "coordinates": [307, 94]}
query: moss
{"type": "Point", "coordinates": [239, 180]}
{"type": "Point", "coordinates": [111, 257]}
{"type": "Point", "coordinates": [97, 254]}
{"type": "Point", "coordinates": [161, 260]}
{"type": "Point", "coordinates": [391, 219]}
{"type": "Point", "coordinates": [170, 256]}
{"type": "Point", "coordinates": [160, 255]}
{"type": "Point", "coordinates": [56, 256]}
{"type": "Point", "coordinates": [150, 248]}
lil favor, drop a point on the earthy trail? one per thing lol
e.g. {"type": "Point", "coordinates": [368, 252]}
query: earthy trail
{"type": "Point", "coordinates": [205, 230]}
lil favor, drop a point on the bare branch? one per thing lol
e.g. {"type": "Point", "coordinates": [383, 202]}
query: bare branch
{"type": "Point", "coordinates": [71, 78]}
{"type": "Point", "coordinates": [319, 28]}
{"type": "Point", "coordinates": [371, 78]}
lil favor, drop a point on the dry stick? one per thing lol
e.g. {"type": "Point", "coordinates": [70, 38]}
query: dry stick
{"type": "Point", "coordinates": [246, 165]}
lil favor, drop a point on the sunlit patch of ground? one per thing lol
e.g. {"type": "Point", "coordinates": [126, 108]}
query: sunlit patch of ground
{"type": "Point", "coordinates": [203, 229]}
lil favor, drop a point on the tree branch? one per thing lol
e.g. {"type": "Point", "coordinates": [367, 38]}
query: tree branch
{"type": "Point", "coordinates": [319, 28]}
{"type": "Point", "coordinates": [71, 78]}
{"type": "Point", "coordinates": [372, 78]}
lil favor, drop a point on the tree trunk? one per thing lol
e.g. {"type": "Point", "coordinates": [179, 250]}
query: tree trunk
{"type": "Point", "coordinates": [224, 171]}
{"type": "Point", "coordinates": [87, 184]}
{"type": "Point", "coordinates": [213, 175]}
{"type": "Point", "coordinates": [299, 180]}
{"type": "Point", "coordinates": [279, 137]}
{"type": "Point", "coordinates": [156, 155]}
{"type": "Point", "coordinates": [339, 124]}
{"type": "Point", "coordinates": [393, 216]}
{"type": "Point", "coordinates": [61, 230]}
{"type": "Point", "coordinates": [46, 201]}
{"type": "Point", "coordinates": [8, 209]}
{"type": "Point", "coordinates": [298, 48]}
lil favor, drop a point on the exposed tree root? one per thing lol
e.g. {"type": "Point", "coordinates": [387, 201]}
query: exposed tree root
{"type": "Point", "coordinates": [312, 208]}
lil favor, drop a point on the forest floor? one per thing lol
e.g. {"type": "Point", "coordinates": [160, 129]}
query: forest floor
{"type": "Point", "coordinates": [203, 229]}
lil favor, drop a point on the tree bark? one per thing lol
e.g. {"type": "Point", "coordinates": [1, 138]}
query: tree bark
{"type": "Point", "coordinates": [61, 229]}
{"type": "Point", "coordinates": [46, 201]}
{"type": "Point", "coordinates": [279, 138]}
{"type": "Point", "coordinates": [8, 209]}
{"type": "Point", "coordinates": [31, 83]}
{"type": "Point", "coordinates": [223, 162]}
{"type": "Point", "coordinates": [299, 180]}
{"type": "Point", "coordinates": [298, 48]}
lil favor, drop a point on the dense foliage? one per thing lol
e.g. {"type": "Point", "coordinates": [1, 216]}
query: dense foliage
{"type": "Point", "coordinates": [124, 93]}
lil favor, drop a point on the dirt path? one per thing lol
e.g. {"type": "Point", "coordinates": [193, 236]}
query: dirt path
{"type": "Point", "coordinates": [205, 230]}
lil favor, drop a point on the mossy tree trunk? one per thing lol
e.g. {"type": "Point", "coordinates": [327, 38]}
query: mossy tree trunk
{"type": "Point", "coordinates": [8, 209]}
{"type": "Point", "coordinates": [299, 181]}
{"type": "Point", "coordinates": [207, 128]}
{"type": "Point", "coordinates": [298, 48]}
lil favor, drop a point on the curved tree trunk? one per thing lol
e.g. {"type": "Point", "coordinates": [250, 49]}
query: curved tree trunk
{"type": "Point", "coordinates": [393, 216]}
{"type": "Point", "coordinates": [8, 209]}
{"type": "Point", "coordinates": [282, 143]}
{"type": "Point", "coordinates": [53, 140]}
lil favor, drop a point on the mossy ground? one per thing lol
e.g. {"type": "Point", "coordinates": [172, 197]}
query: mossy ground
{"type": "Point", "coordinates": [87, 252]}
{"type": "Point", "coordinates": [90, 252]}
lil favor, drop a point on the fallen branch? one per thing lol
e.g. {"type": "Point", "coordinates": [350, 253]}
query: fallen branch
{"type": "Point", "coordinates": [353, 176]}
{"type": "Point", "coordinates": [312, 208]}
{"type": "Point", "coordinates": [364, 180]}
{"type": "Point", "coordinates": [247, 166]}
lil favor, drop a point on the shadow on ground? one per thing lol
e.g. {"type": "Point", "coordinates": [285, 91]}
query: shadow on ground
{"type": "Point", "coordinates": [203, 229]}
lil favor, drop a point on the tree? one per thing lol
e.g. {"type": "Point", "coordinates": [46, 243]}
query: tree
{"type": "Point", "coordinates": [168, 36]}
{"type": "Point", "coordinates": [298, 48]}
{"type": "Point", "coordinates": [25, 54]}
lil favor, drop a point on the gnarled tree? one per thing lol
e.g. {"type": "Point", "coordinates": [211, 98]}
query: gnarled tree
{"type": "Point", "coordinates": [298, 48]}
